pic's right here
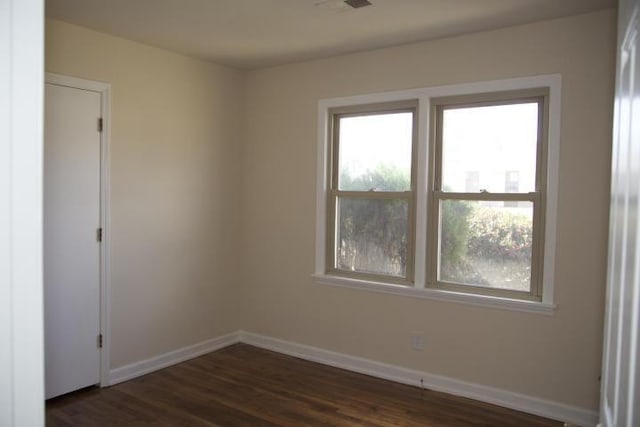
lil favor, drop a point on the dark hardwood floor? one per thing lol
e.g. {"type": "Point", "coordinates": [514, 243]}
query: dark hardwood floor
{"type": "Point", "coordinates": [243, 385]}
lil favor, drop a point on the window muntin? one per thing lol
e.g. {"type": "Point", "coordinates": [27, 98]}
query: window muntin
{"type": "Point", "coordinates": [371, 206]}
{"type": "Point", "coordinates": [489, 241]}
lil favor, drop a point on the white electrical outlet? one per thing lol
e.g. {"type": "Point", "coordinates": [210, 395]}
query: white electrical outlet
{"type": "Point", "coordinates": [417, 340]}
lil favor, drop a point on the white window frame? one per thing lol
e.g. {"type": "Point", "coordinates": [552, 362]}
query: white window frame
{"type": "Point", "coordinates": [421, 288]}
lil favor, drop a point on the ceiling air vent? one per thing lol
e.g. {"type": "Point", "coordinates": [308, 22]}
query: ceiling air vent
{"type": "Point", "coordinates": [358, 3]}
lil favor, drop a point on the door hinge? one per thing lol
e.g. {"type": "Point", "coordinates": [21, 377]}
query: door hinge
{"type": "Point", "coordinates": [100, 124]}
{"type": "Point", "coordinates": [99, 234]}
{"type": "Point", "coordinates": [100, 341]}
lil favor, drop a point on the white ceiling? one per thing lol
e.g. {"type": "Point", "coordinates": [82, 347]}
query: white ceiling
{"type": "Point", "coordinates": [258, 33]}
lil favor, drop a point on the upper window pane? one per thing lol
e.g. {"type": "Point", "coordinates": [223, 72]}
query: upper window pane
{"type": "Point", "coordinates": [490, 148]}
{"type": "Point", "coordinates": [375, 152]}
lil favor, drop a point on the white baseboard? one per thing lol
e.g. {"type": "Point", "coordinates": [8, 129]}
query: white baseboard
{"type": "Point", "coordinates": [507, 399]}
{"type": "Point", "coordinates": [147, 366]}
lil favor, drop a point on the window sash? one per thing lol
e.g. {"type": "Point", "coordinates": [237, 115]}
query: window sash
{"type": "Point", "coordinates": [537, 197]}
{"type": "Point", "coordinates": [535, 290]}
{"type": "Point", "coordinates": [489, 197]}
{"type": "Point", "coordinates": [332, 246]}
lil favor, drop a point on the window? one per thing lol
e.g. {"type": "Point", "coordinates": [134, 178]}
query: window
{"type": "Point", "coordinates": [511, 185]}
{"type": "Point", "coordinates": [488, 241]}
{"type": "Point", "coordinates": [445, 193]}
{"type": "Point", "coordinates": [372, 192]}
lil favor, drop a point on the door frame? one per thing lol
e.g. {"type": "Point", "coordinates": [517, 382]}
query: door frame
{"type": "Point", "coordinates": [21, 123]}
{"type": "Point", "coordinates": [104, 89]}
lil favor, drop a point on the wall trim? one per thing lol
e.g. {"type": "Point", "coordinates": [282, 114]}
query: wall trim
{"type": "Point", "coordinates": [500, 397]}
{"type": "Point", "coordinates": [165, 360]}
{"type": "Point", "coordinates": [520, 402]}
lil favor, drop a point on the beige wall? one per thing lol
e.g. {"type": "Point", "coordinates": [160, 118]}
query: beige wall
{"type": "Point", "coordinates": [557, 357]}
{"type": "Point", "coordinates": [174, 176]}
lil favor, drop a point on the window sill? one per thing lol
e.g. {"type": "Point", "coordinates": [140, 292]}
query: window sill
{"type": "Point", "coordinates": [438, 295]}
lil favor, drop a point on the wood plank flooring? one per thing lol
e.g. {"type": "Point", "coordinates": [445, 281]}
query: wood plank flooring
{"type": "Point", "coordinates": [243, 385]}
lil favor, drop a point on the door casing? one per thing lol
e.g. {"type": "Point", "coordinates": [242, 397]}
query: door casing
{"type": "Point", "coordinates": [620, 393]}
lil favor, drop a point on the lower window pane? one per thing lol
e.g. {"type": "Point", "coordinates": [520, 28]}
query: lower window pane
{"type": "Point", "coordinates": [372, 236]}
{"type": "Point", "coordinates": [486, 244]}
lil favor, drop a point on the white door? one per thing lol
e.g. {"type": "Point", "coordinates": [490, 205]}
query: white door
{"type": "Point", "coordinates": [620, 397]}
{"type": "Point", "coordinates": [71, 248]}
